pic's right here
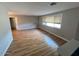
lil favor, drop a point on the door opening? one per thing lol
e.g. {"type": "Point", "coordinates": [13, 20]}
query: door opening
{"type": "Point", "coordinates": [12, 23]}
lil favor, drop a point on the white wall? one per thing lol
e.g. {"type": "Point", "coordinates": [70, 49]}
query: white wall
{"type": "Point", "coordinates": [69, 24]}
{"type": "Point", "coordinates": [77, 33]}
{"type": "Point", "coordinates": [26, 22]}
{"type": "Point", "coordinates": [5, 31]}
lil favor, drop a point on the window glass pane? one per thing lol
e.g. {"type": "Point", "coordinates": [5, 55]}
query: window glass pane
{"type": "Point", "coordinates": [57, 25]}
{"type": "Point", "coordinates": [57, 20]}
{"type": "Point", "coordinates": [52, 19]}
{"type": "Point", "coordinates": [50, 24]}
{"type": "Point", "coordinates": [49, 19]}
{"type": "Point", "coordinates": [44, 23]}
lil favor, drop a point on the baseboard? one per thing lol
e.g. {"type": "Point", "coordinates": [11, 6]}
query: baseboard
{"type": "Point", "coordinates": [54, 34]}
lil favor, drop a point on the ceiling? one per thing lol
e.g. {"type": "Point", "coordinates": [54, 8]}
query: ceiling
{"type": "Point", "coordinates": [37, 8]}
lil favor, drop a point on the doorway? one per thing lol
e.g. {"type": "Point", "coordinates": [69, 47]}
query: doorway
{"type": "Point", "coordinates": [12, 23]}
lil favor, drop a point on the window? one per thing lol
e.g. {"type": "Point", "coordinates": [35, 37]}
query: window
{"type": "Point", "coordinates": [52, 21]}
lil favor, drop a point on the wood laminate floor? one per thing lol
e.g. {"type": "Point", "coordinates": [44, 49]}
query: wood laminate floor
{"type": "Point", "coordinates": [32, 43]}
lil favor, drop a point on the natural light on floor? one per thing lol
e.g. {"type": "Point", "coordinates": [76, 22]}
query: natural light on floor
{"type": "Point", "coordinates": [50, 41]}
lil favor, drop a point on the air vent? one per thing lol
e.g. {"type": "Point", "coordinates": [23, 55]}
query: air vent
{"type": "Point", "coordinates": [53, 3]}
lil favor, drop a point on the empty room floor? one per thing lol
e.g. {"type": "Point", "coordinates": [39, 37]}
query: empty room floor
{"type": "Point", "coordinates": [32, 43]}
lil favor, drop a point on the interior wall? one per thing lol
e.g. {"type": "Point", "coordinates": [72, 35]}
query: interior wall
{"type": "Point", "coordinates": [69, 24]}
{"type": "Point", "coordinates": [77, 33]}
{"type": "Point", "coordinates": [26, 22]}
{"type": "Point", "coordinates": [5, 30]}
